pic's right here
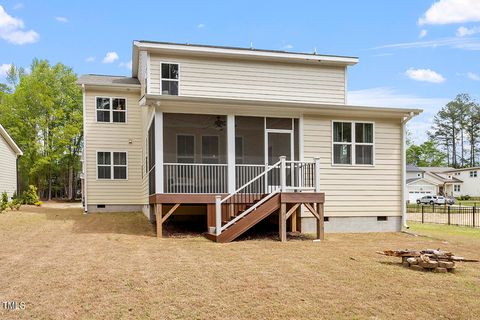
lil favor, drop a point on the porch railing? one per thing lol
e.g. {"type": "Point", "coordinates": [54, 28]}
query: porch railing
{"type": "Point", "coordinates": [195, 178]}
{"type": "Point", "coordinates": [283, 176]}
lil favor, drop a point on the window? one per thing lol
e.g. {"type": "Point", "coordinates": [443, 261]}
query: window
{"type": "Point", "coordinates": [456, 188]}
{"type": "Point", "coordinates": [239, 150]}
{"type": "Point", "coordinates": [210, 149]}
{"type": "Point", "coordinates": [170, 75]}
{"type": "Point", "coordinates": [353, 143]}
{"type": "Point", "coordinates": [185, 149]}
{"type": "Point", "coordinates": [112, 165]}
{"type": "Point", "coordinates": [111, 109]}
{"type": "Point", "coordinates": [473, 174]}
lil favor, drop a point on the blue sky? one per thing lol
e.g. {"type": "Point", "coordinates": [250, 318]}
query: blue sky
{"type": "Point", "coordinates": [412, 53]}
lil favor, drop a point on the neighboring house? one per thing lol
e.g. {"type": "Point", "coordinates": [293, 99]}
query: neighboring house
{"type": "Point", "coordinates": [414, 172]}
{"type": "Point", "coordinates": [470, 181]}
{"type": "Point", "coordinates": [9, 153]}
{"type": "Point", "coordinates": [195, 122]}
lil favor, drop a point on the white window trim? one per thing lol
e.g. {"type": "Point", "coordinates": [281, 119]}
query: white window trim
{"type": "Point", "coordinates": [194, 146]}
{"type": "Point", "coordinates": [166, 79]}
{"type": "Point", "coordinates": [218, 147]}
{"type": "Point", "coordinates": [111, 165]}
{"type": "Point", "coordinates": [111, 110]}
{"type": "Point", "coordinates": [353, 144]}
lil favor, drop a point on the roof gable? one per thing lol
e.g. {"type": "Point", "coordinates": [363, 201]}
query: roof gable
{"type": "Point", "coordinates": [10, 141]}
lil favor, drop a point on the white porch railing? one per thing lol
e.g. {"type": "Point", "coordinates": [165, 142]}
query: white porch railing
{"type": "Point", "coordinates": [195, 178]}
{"type": "Point", "coordinates": [283, 176]}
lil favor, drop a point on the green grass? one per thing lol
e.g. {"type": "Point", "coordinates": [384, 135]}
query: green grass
{"type": "Point", "coordinates": [441, 231]}
{"type": "Point", "coordinates": [468, 203]}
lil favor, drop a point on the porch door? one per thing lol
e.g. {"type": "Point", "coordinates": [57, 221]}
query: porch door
{"type": "Point", "coordinates": [279, 143]}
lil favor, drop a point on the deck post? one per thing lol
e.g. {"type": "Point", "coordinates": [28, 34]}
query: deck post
{"type": "Point", "coordinates": [231, 176]}
{"type": "Point", "coordinates": [320, 222]}
{"type": "Point", "coordinates": [218, 215]}
{"type": "Point", "coordinates": [317, 174]}
{"type": "Point", "coordinates": [283, 173]}
{"type": "Point", "coordinates": [158, 217]}
{"type": "Point", "coordinates": [282, 223]}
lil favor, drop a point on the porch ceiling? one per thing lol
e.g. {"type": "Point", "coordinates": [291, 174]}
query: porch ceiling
{"type": "Point", "coordinates": [269, 108]}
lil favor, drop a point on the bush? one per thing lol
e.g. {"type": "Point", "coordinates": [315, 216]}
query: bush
{"type": "Point", "coordinates": [30, 196]}
{"type": "Point", "coordinates": [38, 203]}
{"type": "Point", "coordinates": [4, 202]}
{"type": "Point", "coordinates": [15, 204]}
{"type": "Point", "coordinates": [466, 197]}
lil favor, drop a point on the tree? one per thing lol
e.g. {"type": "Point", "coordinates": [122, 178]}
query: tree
{"type": "Point", "coordinates": [43, 113]}
{"type": "Point", "coordinates": [472, 128]}
{"type": "Point", "coordinates": [425, 155]}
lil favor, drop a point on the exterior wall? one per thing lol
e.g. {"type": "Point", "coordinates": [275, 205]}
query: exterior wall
{"type": "Point", "coordinates": [470, 186]}
{"type": "Point", "coordinates": [353, 224]}
{"type": "Point", "coordinates": [236, 79]}
{"type": "Point", "coordinates": [8, 168]}
{"type": "Point", "coordinates": [127, 137]}
{"type": "Point", "coordinates": [411, 175]}
{"type": "Point", "coordinates": [358, 191]}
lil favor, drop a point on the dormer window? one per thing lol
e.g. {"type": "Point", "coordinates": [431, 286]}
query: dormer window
{"type": "Point", "coordinates": [170, 76]}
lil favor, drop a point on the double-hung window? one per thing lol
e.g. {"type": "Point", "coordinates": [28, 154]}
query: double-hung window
{"type": "Point", "coordinates": [185, 148]}
{"type": "Point", "coordinates": [353, 143]}
{"type": "Point", "coordinates": [111, 109]}
{"type": "Point", "coordinates": [456, 187]}
{"type": "Point", "coordinates": [473, 174]}
{"type": "Point", "coordinates": [111, 165]}
{"type": "Point", "coordinates": [169, 81]}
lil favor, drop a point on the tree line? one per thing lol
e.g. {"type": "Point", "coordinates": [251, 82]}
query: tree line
{"type": "Point", "coordinates": [42, 111]}
{"type": "Point", "coordinates": [454, 139]}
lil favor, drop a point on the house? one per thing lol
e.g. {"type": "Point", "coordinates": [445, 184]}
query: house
{"type": "Point", "coordinates": [447, 181]}
{"type": "Point", "coordinates": [235, 135]}
{"type": "Point", "coordinates": [9, 153]}
{"type": "Point", "coordinates": [468, 181]}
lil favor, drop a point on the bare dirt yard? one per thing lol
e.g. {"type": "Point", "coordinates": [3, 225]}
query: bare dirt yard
{"type": "Point", "coordinates": [66, 265]}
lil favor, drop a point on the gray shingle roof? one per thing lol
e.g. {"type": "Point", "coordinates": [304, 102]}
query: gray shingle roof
{"type": "Point", "coordinates": [104, 80]}
{"type": "Point", "coordinates": [411, 168]}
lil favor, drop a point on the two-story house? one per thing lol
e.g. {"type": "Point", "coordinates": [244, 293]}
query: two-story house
{"type": "Point", "coordinates": [9, 153]}
{"type": "Point", "coordinates": [235, 135]}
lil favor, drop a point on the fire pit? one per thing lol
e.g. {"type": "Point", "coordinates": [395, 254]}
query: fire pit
{"type": "Point", "coordinates": [427, 260]}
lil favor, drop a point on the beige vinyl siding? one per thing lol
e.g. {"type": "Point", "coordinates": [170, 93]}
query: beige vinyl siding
{"type": "Point", "coordinates": [236, 79]}
{"type": "Point", "coordinates": [8, 168]}
{"type": "Point", "coordinates": [356, 190]}
{"type": "Point", "coordinates": [115, 137]}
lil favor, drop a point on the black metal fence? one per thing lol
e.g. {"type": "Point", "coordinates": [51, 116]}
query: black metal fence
{"type": "Point", "coordinates": [467, 216]}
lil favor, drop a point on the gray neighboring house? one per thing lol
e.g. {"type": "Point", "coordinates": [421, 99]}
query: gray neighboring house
{"type": "Point", "coordinates": [9, 153]}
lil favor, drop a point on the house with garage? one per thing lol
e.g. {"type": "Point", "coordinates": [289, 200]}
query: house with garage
{"type": "Point", "coordinates": [467, 181]}
{"type": "Point", "coordinates": [9, 153]}
{"type": "Point", "coordinates": [234, 136]}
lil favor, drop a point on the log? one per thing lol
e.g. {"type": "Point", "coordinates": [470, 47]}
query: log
{"type": "Point", "coordinates": [412, 260]}
{"type": "Point", "coordinates": [428, 264]}
{"type": "Point", "coordinates": [446, 264]}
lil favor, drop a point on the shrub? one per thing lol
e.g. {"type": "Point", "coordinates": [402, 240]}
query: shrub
{"type": "Point", "coordinates": [15, 204]}
{"type": "Point", "coordinates": [4, 202]}
{"type": "Point", "coordinates": [30, 196]}
{"type": "Point", "coordinates": [38, 203]}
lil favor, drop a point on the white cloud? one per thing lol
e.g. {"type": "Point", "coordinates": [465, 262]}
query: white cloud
{"type": "Point", "coordinates": [127, 65]}
{"type": "Point", "coordinates": [473, 76]}
{"type": "Point", "coordinates": [457, 43]}
{"type": "Point", "coordinates": [451, 11]}
{"type": "Point", "coordinates": [18, 6]}
{"type": "Point", "coordinates": [11, 30]}
{"type": "Point", "coordinates": [389, 97]}
{"type": "Point", "coordinates": [462, 31]}
{"type": "Point", "coordinates": [200, 26]}
{"type": "Point", "coordinates": [110, 57]}
{"type": "Point", "coordinates": [4, 69]}
{"type": "Point", "coordinates": [287, 46]}
{"type": "Point", "coordinates": [61, 19]}
{"type": "Point", "coordinates": [423, 33]}
{"type": "Point", "coordinates": [90, 59]}
{"type": "Point", "coordinates": [426, 75]}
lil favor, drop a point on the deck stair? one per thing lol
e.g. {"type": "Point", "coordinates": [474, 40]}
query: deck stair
{"type": "Point", "coordinates": [261, 196]}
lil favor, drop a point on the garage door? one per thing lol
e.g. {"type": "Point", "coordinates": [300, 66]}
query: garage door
{"type": "Point", "coordinates": [414, 195]}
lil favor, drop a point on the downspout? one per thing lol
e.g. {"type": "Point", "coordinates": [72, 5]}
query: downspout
{"type": "Point", "coordinates": [404, 169]}
{"type": "Point", "coordinates": [84, 164]}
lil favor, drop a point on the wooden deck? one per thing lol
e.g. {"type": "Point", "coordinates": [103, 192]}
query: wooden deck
{"type": "Point", "coordinates": [287, 204]}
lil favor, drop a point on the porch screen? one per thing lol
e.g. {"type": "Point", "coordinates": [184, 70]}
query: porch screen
{"type": "Point", "coordinates": [151, 158]}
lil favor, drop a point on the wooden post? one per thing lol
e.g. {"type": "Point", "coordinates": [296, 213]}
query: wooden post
{"type": "Point", "coordinates": [298, 216]}
{"type": "Point", "coordinates": [320, 222]}
{"type": "Point", "coordinates": [448, 215]}
{"type": "Point", "coordinates": [158, 217]}
{"type": "Point", "coordinates": [423, 214]}
{"type": "Point", "coordinates": [473, 215]}
{"type": "Point", "coordinates": [293, 221]}
{"type": "Point", "coordinates": [282, 222]}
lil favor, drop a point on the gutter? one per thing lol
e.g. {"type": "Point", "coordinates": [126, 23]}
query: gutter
{"type": "Point", "coordinates": [84, 164]}
{"type": "Point", "coordinates": [404, 168]}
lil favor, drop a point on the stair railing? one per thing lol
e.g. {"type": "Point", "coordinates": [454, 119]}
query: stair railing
{"type": "Point", "coordinates": [282, 176]}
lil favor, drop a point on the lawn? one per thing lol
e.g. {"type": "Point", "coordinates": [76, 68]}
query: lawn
{"type": "Point", "coordinates": [65, 265]}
